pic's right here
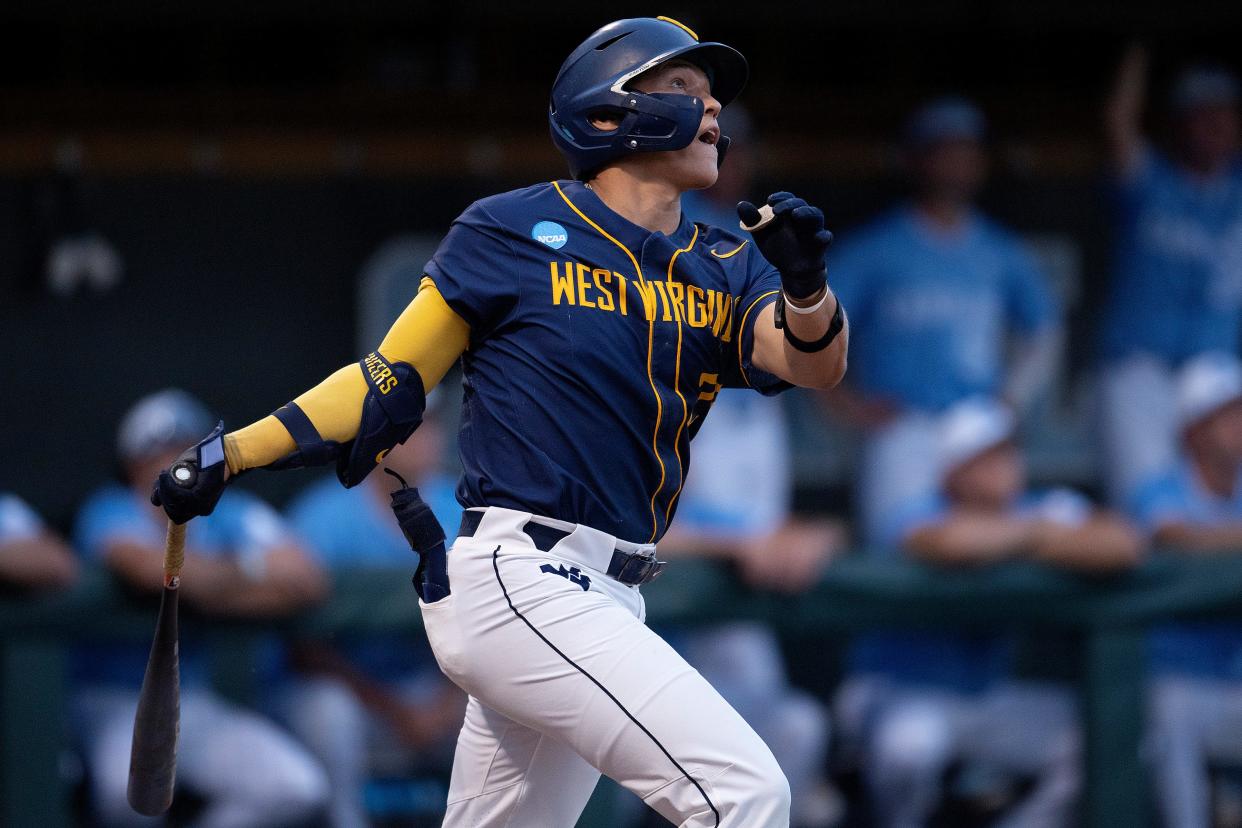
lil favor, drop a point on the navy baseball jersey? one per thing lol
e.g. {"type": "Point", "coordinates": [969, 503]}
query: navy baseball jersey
{"type": "Point", "coordinates": [597, 347]}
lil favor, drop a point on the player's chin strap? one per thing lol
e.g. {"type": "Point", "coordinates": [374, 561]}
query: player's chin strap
{"type": "Point", "coordinates": [392, 409]}
{"type": "Point", "coordinates": [426, 537]}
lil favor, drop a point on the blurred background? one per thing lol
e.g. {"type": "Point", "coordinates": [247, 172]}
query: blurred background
{"type": "Point", "coordinates": [234, 199]}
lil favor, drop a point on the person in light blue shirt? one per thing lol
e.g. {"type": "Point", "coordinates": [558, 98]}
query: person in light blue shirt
{"type": "Point", "coordinates": [940, 296]}
{"type": "Point", "coordinates": [917, 702]}
{"type": "Point", "coordinates": [240, 561]}
{"type": "Point", "coordinates": [1195, 692]}
{"type": "Point", "coordinates": [31, 555]}
{"type": "Point", "coordinates": [1176, 288]}
{"type": "Point", "coordinates": [378, 695]}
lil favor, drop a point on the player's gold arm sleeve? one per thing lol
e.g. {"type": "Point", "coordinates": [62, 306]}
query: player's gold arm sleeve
{"type": "Point", "coordinates": [428, 335]}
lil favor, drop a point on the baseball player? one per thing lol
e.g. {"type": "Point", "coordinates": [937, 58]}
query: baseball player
{"type": "Point", "coordinates": [595, 325]}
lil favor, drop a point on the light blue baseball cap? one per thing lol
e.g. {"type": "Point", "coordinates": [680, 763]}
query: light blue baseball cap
{"type": "Point", "coordinates": [1206, 384]}
{"type": "Point", "coordinates": [171, 418]}
{"type": "Point", "coordinates": [1203, 86]}
{"type": "Point", "coordinates": [971, 427]}
{"type": "Point", "coordinates": [952, 118]}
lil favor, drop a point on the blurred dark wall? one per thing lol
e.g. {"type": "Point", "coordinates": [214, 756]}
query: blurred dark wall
{"type": "Point", "coordinates": [475, 68]}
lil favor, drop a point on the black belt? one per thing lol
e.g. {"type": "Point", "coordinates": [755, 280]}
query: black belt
{"type": "Point", "coordinates": [630, 568]}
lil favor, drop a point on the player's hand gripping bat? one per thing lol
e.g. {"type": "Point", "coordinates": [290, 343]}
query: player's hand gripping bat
{"type": "Point", "coordinates": [153, 754]}
{"type": "Point", "coordinates": [766, 217]}
{"type": "Point", "coordinates": [791, 235]}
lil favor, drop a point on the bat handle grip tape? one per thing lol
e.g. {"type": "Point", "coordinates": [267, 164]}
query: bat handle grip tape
{"type": "Point", "coordinates": [174, 554]}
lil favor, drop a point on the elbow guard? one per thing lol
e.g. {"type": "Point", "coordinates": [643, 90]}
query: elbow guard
{"type": "Point", "coordinates": [391, 410]}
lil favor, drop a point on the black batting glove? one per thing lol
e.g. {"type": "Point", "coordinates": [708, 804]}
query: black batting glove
{"type": "Point", "coordinates": [192, 485]}
{"type": "Point", "coordinates": [795, 242]}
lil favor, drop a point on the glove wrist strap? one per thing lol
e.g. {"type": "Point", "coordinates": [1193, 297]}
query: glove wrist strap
{"type": "Point", "coordinates": [835, 326]}
{"type": "Point", "coordinates": [793, 307]}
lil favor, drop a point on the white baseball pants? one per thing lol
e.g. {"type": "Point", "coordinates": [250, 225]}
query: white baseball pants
{"type": "Point", "coordinates": [566, 682]}
{"type": "Point", "coordinates": [1138, 423]}
{"type": "Point", "coordinates": [1194, 723]}
{"type": "Point", "coordinates": [899, 466]}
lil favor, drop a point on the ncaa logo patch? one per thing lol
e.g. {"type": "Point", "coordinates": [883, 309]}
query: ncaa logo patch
{"type": "Point", "coordinates": [550, 233]}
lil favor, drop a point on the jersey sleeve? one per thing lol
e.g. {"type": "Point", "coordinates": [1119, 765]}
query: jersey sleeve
{"type": "Point", "coordinates": [18, 521]}
{"type": "Point", "coordinates": [316, 519]}
{"type": "Point", "coordinates": [849, 277]}
{"type": "Point", "coordinates": [249, 528]}
{"type": "Point", "coordinates": [109, 517]}
{"type": "Point", "coordinates": [1159, 503]}
{"type": "Point", "coordinates": [1028, 300]}
{"type": "Point", "coordinates": [760, 289]}
{"type": "Point", "coordinates": [475, 270]}
{"type": "Point", "coordinates": [909, 517]}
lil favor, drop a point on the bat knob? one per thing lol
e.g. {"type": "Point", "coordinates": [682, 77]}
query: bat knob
{"type": "Point", "coordinates": [766, 217]}
{"type": "Point", "coordinates": [185, 474]}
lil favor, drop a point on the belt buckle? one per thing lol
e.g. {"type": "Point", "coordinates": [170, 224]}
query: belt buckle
{"type": "Point", "coordinates": [639, 569]}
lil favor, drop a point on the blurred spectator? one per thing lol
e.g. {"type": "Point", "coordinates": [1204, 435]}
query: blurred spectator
{"type": "Point", "coordinates": [935, 292]}
{"type": "Point", "coordinates": [240, 562]}
{"type": "Point", "coordinates": [31, 556]}
{"type": "Point", "coordinates": [923, 701]}
{"type": "Point", "coordinates": [1196, 507]}
{"type": "Point", "coordinates": [735, 507]}
{"type": "Point", "coordinates": [379, 693]}
{"type": "Point", "coordinates": [1177, 282]}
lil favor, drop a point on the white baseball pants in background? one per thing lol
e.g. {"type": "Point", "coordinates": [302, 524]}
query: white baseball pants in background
{"type": "Point", "coordinates": [566, 682]}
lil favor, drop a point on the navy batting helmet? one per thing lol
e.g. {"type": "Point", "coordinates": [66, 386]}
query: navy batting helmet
{"type": "Point", "coordinates": [593, 79]}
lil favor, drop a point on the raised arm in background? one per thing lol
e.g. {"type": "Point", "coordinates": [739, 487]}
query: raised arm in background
{"type": "Point", "coordinates": [1123, 114]}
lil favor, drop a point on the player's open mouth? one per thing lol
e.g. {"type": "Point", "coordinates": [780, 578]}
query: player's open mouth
{"type": "Point", "coordinates": [710, 136]}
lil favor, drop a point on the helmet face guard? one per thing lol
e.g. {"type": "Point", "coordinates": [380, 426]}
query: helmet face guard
{"type": "Point", "coordinates": [593, 80]}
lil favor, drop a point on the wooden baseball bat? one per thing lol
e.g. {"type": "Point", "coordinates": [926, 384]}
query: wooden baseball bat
{"type": "Point", "coordinates": [153, 752]}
